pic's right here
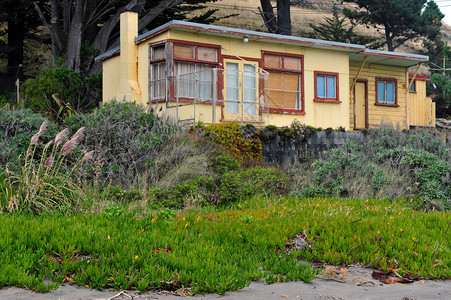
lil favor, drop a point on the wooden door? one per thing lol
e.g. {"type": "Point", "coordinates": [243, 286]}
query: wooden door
{"type": "Point", "coordinates": [360, 105]}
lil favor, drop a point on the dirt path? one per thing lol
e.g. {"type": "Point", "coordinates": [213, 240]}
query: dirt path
{"type": "Point", "coordinates": [351, 283]}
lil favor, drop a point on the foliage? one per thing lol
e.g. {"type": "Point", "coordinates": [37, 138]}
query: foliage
{"type": "Point", "coordinates": [117, 194]}
{"type": "Point", "coordinates": [174, 252]}
{"type": "Point", "coordinates": [337, 29]}
{"type": "Point", "coordinates": [390, 164]}
{"type": "Point", "coordinates": [46, 183]}
{"type": "Point", "coordinates": [231, 137]}
{"type": "Point", "coordinates": [401, 20]}
{"type": "Point", "coordinates": [223, 163]}
{"type": "Point", "coordinates": [228, 187]}
{"type": "Point", "coordinates": [76, 92]}
{"type": "Point", "coordinates": [16, 129]}
{"type": "Point", "coordinates": [127, 140]}
{"type": "Point", "coordinates": [238, 245]}
{"type": "Point", "coordinates": [440, 86]}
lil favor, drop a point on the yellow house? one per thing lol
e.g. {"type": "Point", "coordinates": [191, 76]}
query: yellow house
{"type": "Point", "coordinates": [195, 72]}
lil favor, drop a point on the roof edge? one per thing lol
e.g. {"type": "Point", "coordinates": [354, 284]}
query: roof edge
{"type": "Point", "coordinates": [108, 54]}
{"type": "Point", "coordinates": [409, 56]}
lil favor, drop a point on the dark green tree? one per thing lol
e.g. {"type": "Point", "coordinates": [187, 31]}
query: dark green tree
{"type": "Point", "coordinates": [281, 23]}
{"type": "Point", "coordinates": [398, 20]}
{"type": "Point", "coordinates": [18, 21]}
{"type": "Point", "coordinates": [440, 87]}
{"type": "Point", "coordinates": [339, 29]}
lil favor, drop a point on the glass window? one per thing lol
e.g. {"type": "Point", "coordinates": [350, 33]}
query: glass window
{"type": "Point", "coordinates": [184, 51]}
{"type": "Point", "coordinates": [157, 80]}
{"type": "Point", "coordinates": [292, 63]}
{"type": "Point", "coordinates": [207, 54]}
{"type": "Point", "coordinates": [386, 91]}
{"type": "Point", "coordinates": [326, 87]}
{"type": "Point", "coordinates": [158, 52]}
{"type": "Point", "coordinates": [321, 86]}
{"type": "Point", "coordinates": [232, 87]}
{"type": "Point", "coordinates": [272, 61]}
{"type": "Point", "coordinates": [412, 87]}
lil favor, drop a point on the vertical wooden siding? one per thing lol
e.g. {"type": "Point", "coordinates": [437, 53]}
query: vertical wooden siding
{"type": "Point", "coordinates": [421, 108]}
{"type": "Point", "coordinates": [378, 115]}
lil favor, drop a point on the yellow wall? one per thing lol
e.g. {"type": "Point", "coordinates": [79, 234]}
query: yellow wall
{"type": "Point", "coordinates": [378, 115]}
{"type": "Point", "coordinates": [316, 114]}
{"type": "Point", "coordinates": [111, 79]}
{"type": "Point", "coordinates": [421, 108]}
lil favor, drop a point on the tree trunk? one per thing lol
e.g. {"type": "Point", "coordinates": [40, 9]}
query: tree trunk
{"type": "Point", "coordinates": [75, 36]}
{"type": "Point", "coordinates": [16, 36]}
{"type": "Point", "coordinates": [283, 17]}
{"type": "Point", "coordinates": [269, 18]}
{"type": "Point", "coordinates": [389, 39]}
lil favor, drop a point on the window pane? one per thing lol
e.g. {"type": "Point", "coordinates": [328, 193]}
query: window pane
{"type": "Point", "coordinates": [291, 63]}
{"type": "Point", "coordinates": [249, 89]}
{"type": "Point", "coordinates": [232, 87]}
{"type": "Point", "coordinates": [204, 82]}
{"type": "Point", "coordinates": [381, 91]}
{"type": "Point", "coordinates": [158, 52]}
{"type": "Point", "coordinates": [185, 79]}
{"type": "Point", "coordinates": [290, 99]}
{"type": "Point", "coordinates": [207, 54]}
{"type": "Point", "coordinates": [321, 86]}
{"type": "Point", "coordinates": [272, 61]}
{"type": "Point", "coordinates": [184, 51]}
{"type": "Point", "coordinates": [275, 80]}
{"type": "Point", "coordinates": [331, 87]}
{"type": "Point", "coordinates": [157, 80]}
{"type": "Point", "coordinates": [390, 92]}
{"type": "Point", "coordinates": [290, 82]}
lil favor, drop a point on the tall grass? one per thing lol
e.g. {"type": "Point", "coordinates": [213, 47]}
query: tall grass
{"type": "Point", "coordinates": [46, 181]}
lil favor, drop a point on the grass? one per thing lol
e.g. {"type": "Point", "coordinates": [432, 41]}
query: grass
{"type": "Point", "coordinates": [217, 250]}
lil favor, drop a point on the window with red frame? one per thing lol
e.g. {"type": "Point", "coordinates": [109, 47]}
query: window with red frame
{"type": "Point", "coordinates": [386, 91]}
{"type": "Point", "coordinates": [326, 87]}
{"type": "Point", "coordinates": [192, 65]}
{"type": "Point", "coordinates": [284, 88]}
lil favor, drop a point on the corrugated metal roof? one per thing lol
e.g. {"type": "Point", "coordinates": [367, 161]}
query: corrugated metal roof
{"type": "Point", "coordinates": [389, 58]}
{"type": "Point", "coordinates": [251, 35]}
{"type": "Point", "coordinates": [356, 52]}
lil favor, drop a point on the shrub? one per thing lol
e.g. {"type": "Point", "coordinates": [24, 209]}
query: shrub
{"type": "Point", "coordinates": [16, 129]}
{"type": "Point", "coordinates": [230, 136]}
{"type": "Point", "coordinates": [223, 163]}
{"type": "Point", "coordinates": [390, 165]}
{"type": "Point", "coordinates": [118, 194]}
{"type": "Point", "coordinates": [127, 140]}
{"type": "Point", "coordinates": [77, 92]}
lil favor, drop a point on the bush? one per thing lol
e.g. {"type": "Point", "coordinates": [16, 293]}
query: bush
{"type": "Point", "coordinates": [390, 165]}
{"type": "Point", "coordinates": [223, 163]}
{"type": "Point", "coordinates": [16, 129]}
{"type": "Point", "coordinates": [78, 92]}
{"type": "Point", "coordinates": [118, 194]}
{"type": "Point", "coordinates": [226, 188]}
{"type": "Point", "coordinates": [230, 136]}
{"type": "Point", "coordinates": [127, 140]}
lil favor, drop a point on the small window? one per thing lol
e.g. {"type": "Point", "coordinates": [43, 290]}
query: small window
{"type": "Point", "coordinates": [292, 63]}
{"type": "Point", "coordinates": [272, 61]}
{"type": "Point", "coordinates": [158, 52]}
{"type": "Point", "coordinates": [386, 91]}
{"type": "Point", "coordinates": [413, 86]}
{"type": "Point", "coordinates": [184, 51]}
{"type": "Point", "coordinates": [207, 54]}
{"type": "Point", "coordinates": [326, 87]}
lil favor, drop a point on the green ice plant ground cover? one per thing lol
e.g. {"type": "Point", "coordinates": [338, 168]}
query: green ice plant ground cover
{"type": "Point", "coordinates": [216, 250]}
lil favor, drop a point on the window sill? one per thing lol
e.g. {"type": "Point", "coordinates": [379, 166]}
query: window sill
{"type": "Point", "coordinates": [386, 104]}
{"type": "Point", "coordinates": [286, 111]}
{"type": "Point", "coordinates": [326, 100]}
